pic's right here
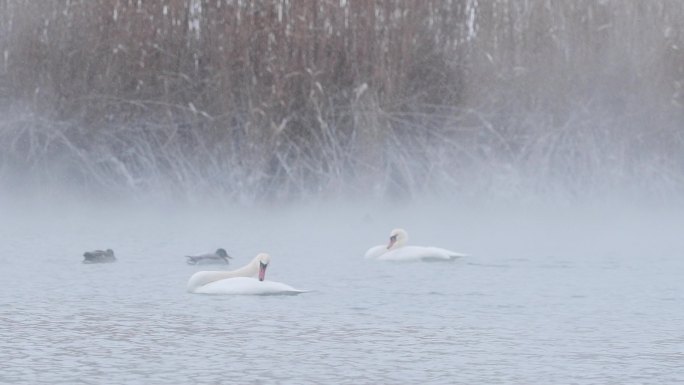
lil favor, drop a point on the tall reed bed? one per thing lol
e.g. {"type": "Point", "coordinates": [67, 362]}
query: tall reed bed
{"type": "Point", "coordinates": [291, 99]}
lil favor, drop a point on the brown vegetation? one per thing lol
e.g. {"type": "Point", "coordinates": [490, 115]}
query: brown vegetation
{"type": "Point", "coordinates": [296, 98]}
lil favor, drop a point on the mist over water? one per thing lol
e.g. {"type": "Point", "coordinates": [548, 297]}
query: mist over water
{"type": "Point", "coordinates": [542, 139]}
{"type": "Point", "coordinates": [277, 101]}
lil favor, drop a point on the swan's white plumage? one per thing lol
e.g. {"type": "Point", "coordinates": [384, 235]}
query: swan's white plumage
{"type": "Point", "coordinates": [251, 269]}
{"type": "Point", "coordinates": [413, 253]}
{"type": "Point", "coordinates": [376, 251]}
{"type": "Point", "coordinates": [239, 281]}
{"type": "Point", "coordinates": [397, 250]}
{"type": "Point", "coordinates": [246, 286]}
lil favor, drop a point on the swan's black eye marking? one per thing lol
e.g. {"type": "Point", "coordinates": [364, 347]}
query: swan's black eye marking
{"type": "Point", "coordinates": [393, 238]}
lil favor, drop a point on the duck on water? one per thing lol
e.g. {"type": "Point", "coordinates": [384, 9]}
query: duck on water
{"type": "Point", "coordinates": [99, 256]}
{"type": "Point", "coordinates": [218, 257]}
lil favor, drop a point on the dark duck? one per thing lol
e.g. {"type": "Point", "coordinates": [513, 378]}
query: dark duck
{"type": "Point", "coordinates": [218, 257]}
{"type": "Point", "coordinates": [99, 256]}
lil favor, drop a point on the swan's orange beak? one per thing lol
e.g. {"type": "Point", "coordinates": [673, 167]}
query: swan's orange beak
{"type": "Point", "coordinates": [262, 270]}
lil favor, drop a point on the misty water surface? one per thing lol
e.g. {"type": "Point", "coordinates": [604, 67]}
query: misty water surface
{"type": "Point", "coordinates": [547, 296]}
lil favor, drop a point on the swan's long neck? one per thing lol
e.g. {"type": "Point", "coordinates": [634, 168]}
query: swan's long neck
{"type": "Point", "coordinates": [202, 278]}
{"type": "Point", "coordinates": [400, 242]}
{"type": "Point", "coordinates": [249, 270]}
{"type": "Point", "coordinates": [398, 238]}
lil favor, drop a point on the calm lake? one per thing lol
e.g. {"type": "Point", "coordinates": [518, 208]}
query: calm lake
{"type": "Point", "coordinates": [557, 297]}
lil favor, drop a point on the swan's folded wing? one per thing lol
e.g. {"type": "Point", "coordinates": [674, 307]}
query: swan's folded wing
{"type": "Point", "coordinates": [420, 253]}
{"type": "Point", "coordinates": [376, 251]}
{"type": "Point", "coordinates": [247, 286]}
{"type": "Point", "coordinates": [439, 253]}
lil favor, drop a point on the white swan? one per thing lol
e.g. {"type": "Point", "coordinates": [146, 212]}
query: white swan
{"type": "Point", "coordinates": [246, 286]}
{"type": "Point", "coordinates": [397, 250]}
{"type": "Point", "coordinates": [240, 281]}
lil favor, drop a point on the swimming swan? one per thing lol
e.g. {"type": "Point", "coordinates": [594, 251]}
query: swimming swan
{"type": "Point", "coordinates": [240, 281]}
{"type": "Point", "coordinates": [397, 250]}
